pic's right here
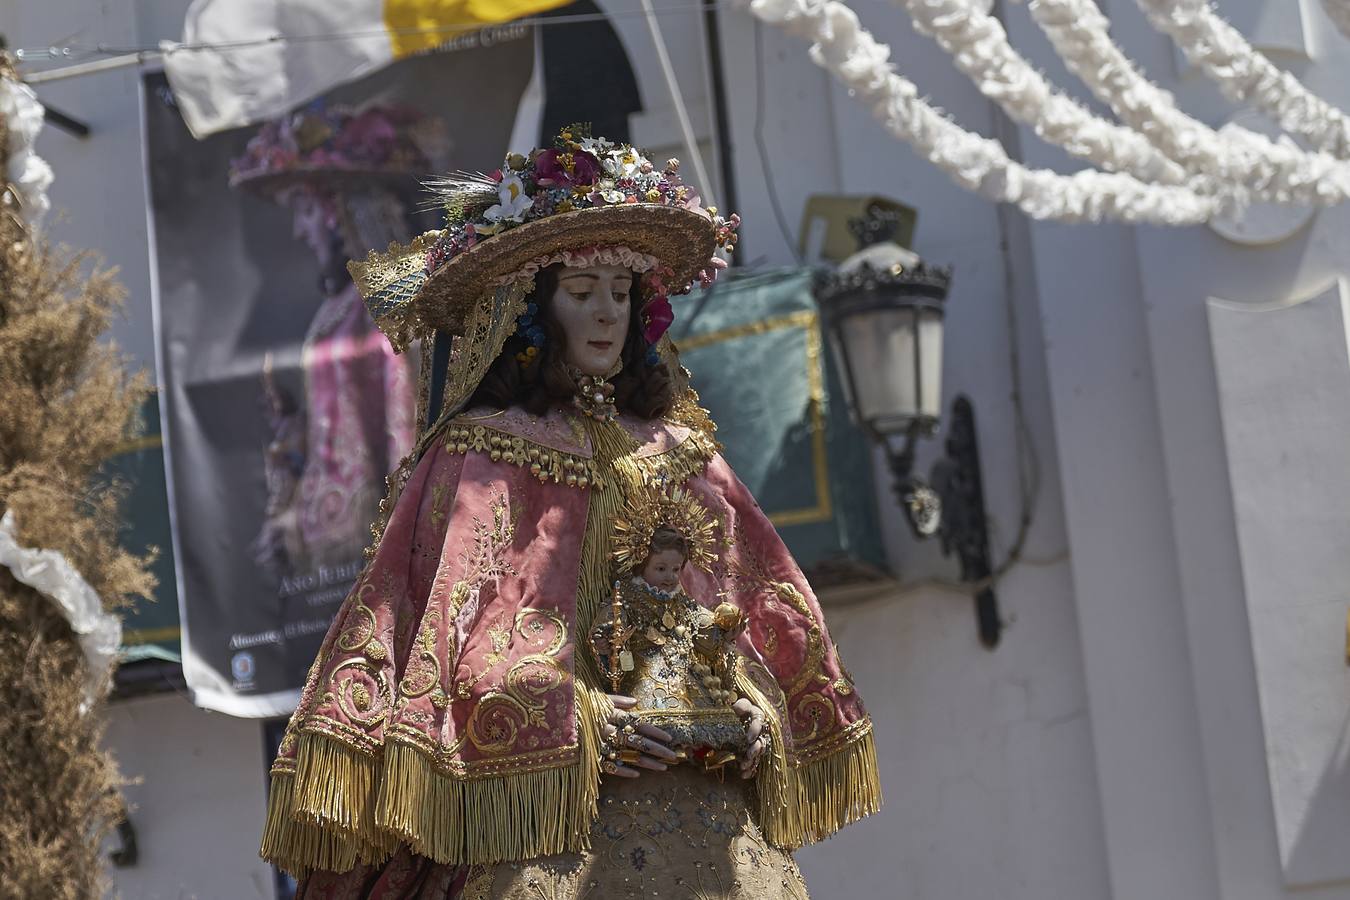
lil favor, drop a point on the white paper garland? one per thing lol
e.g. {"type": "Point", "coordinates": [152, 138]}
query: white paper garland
{"type": "Point", "coordinates": [856, 58]}
{"type": "Point", "coordinates": [1220, 51]}
{"type": "Point", "coordinates": [1339, 11]}
{"type": "Point", "coordinates": [27, 172]}
{"type": "Point", "coordinates": [979, 46]}
{"type": "Point", "coordinates": [1279, 172]}
{"type": "Point", "coordinates": [51, 574]}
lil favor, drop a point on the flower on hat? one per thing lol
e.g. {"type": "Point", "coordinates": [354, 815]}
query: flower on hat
{"type": "Point", "coordinates": [566, 169]}
{"type": "Point", "coordinates": [515, 203]}
{"type": "Point", "coordinates": [656, 318]}
{"type": "Point", "coordinates": [623, 162]}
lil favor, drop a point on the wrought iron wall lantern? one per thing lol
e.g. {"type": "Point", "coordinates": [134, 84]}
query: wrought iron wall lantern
{"type": "Point", "coordinates": [883, 314]}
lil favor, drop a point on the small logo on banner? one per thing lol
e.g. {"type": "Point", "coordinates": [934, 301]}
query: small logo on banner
{"type": "Point", "coordinates": [242, 668]}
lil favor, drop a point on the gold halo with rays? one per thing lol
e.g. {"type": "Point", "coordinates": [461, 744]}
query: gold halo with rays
{"type": "Point", "coordinates": [674, 508]}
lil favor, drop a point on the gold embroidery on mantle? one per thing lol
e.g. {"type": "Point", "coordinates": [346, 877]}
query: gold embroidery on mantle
{"type": "Point", "coordinates": [500, 636]}
{"type": "Point", "coordinates": [484, 561]}
{"type": "Point", "coordinates": [360, 632]}
{"type": "Point", "coordinates": [424, 668]}
{"type": "Point", "coordinates": [364, 700]}
{"type": "Point", "coordinates": [748, 573]}
{"type": "Point", "coordinates": [497, 718]}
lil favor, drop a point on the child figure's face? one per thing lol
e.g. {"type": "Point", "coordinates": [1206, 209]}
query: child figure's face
{"type": "Point", "coordinates": [662, 570]}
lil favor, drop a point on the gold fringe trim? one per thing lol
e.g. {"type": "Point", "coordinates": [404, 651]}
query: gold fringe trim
{"type": "Point", "coordinates": [300, 847]}
{"type": "Point", "coordinates": [341, 807]}
{"type": "Point", "coordinates": [773, 780]}
{"type": "Point", "coordinates": [801, 802]}
{"type": "Point", "coordinates": [613, 450]}
{"type": "Point", "coordinates": [593, 711]}
{"type": "Point", "coordinates": [322, 816]}
{"type": "Point", "coordinates": [489, 820]}
{"type": "Point", "coordinates": [334, 785]}
{"type": "Point", "coordinates": [832, 792]}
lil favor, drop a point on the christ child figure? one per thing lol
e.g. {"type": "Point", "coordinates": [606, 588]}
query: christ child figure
{"type": "Point", "coordinates": [674, 656]}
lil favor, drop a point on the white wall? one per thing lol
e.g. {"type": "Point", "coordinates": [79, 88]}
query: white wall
{"type": "Point", "coordinates": [197, 801]}
{"type": "Point", "coordinates": [1170, 675]}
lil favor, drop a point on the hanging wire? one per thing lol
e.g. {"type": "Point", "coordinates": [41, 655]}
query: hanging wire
{"type": "Point", "coordinates": [77, 51]}
{"type": "Point", "coordinates": [775, 203]}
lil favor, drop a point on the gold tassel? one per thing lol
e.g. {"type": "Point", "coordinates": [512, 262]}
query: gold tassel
{"type": "Point", "coordinates": [800, 803]}
{"type": "Point", "coordinates": [300, 847]}
{"type": "Point", "coordinates": [837, 789]}
{"type": "Point", "coordinates": [778, 819]}
{"type": "Point", "coordinates": [334, 785]}
{"type": "Point", "coordinates": [593, 711]}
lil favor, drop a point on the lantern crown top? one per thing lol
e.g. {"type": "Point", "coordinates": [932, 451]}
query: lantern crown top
{"type": "Point", "coordinates": [877, 226]}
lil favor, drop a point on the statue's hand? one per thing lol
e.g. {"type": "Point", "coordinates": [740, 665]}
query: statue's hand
{"type": "Point", "coordinates": [757, 737]}
{"type": "Point", "coordinates": [642, 746]}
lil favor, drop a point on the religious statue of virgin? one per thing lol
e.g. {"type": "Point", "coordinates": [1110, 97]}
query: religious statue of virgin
{"type": "Point", "coordinates": [580, 662]}
{"type": "Point", "coordinates": [343, 174]}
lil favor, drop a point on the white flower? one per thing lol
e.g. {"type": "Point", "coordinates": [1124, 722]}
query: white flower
{"type": "Point", "coordinates": [514, 202]}
{"type": "Point", "coordinates": [27, 172]}
{"type": "Point", "coordinates": [622, 163]}
{"type": "Point", "coordinates": [612, 196]}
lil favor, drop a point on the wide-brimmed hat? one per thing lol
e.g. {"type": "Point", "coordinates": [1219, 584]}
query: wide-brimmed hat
{"type": "Point", "coordinates": [583, 200]}
{"type": "Point", "coordinates": [338, 148]}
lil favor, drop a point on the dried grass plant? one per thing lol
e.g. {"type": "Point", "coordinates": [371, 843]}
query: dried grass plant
{"type": "Point", "coordinates": [66, 404]}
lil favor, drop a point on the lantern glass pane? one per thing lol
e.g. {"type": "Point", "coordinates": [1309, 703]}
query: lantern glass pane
{"type": "Point", "coordinates": [881, 346]}
{"type": "Point", "coordinates": [930, 362]}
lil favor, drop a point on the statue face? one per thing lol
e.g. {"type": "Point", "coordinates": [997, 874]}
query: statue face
{"type": "Point", "coordinates": [662, 570]}
{"type": "Point", "coordinates": [592, 307]}
{"type": "Point", "coordinates": [311, 224]}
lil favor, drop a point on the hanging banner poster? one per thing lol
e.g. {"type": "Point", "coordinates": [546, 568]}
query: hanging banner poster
{"type": "Point", "coordinates": [283, 407]}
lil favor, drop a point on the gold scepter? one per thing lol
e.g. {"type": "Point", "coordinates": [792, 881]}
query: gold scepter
{"type": "Point", "coordinates": [618, 638]}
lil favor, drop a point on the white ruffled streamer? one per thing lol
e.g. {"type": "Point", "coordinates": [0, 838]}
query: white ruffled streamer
{"type": "Point", "coordinates": [1339, 11]}
{"type": "Point", "coordinates": [27, 172]}
{"type": "Point", "coordinates": [856, 58]}
{"type": "Point", "coordinates": [1220, 51]}
{"type": "Point", "coordinates": [979, 46]}
{"type": "Point", "coordinates": [51, 574]}
{"type": "Point", "coordinates": [1274, 171]}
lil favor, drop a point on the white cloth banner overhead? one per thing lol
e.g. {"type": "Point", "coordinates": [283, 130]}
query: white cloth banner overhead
{"type": "Point", "coordinates": [242, 61]}
{"type": "Point", "coordinates": [227, 86]}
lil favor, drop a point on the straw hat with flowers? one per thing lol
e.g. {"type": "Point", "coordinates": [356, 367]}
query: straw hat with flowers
{"type": "Point", "coordinates": [583, 201]}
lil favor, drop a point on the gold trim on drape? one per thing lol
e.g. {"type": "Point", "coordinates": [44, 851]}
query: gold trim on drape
{"type": "Point", "coordinates": [341, 806]}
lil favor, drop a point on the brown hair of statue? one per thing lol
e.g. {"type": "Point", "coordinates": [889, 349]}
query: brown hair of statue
{"type": "Point", "coordinates": [664, 538]}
